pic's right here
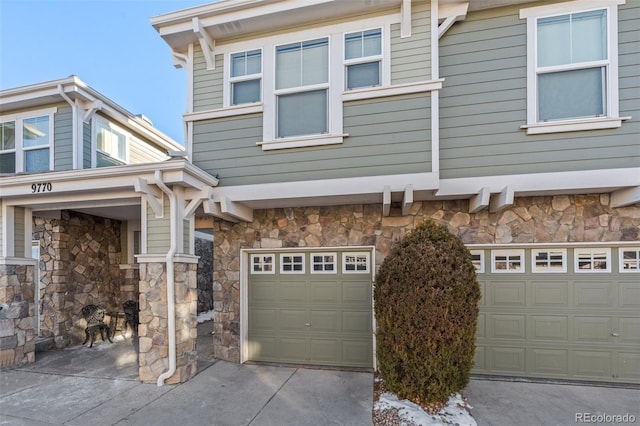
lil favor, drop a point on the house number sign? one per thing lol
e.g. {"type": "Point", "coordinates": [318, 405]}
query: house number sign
{"type": "Point", "coordinates": [41, 187]}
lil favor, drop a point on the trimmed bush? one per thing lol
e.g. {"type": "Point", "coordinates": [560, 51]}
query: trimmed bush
{"type": "Point", "coordinates": [426, 307]}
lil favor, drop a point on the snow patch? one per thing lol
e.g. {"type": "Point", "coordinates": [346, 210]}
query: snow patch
{"type": "Point", "coordinates": [205, 316]}
{"type": "Point", "coordinates": [454, 413]}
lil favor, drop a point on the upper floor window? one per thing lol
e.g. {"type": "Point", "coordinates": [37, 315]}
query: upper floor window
{"type": "Point", "coordinates": [111, 144]}
{"type": "Point", "coordinates": [245, 77]}
{"type": "Point", "coordinates": [301, 88]}
{"type": "Point", "coordinates": [572, 61]}
{"type": "Point", "coordinates": [26, 142]}
{"type": "Point", "coordinates": [363, 58]}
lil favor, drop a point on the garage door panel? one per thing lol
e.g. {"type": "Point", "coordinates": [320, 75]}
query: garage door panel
{"type": "Point", "coordinates": [549, 327]}
{"type": "Point", "coordinates": [263, 348]}
{"type": "Point", "coordinates": [292, 292]}
{"type": "Point", "coordinates": [548, 361]}
{"type": "Point", "coordinates": [507, 326]}
{"type": "Point", "coordinates": [358, 322]}
{"type": "Point", "coordinates": [483, 292]}
{"type": "Point", "coordinates": [481, 326]}
{"type": "Point", "coordinates": [262, 319]}
{"type": "Point", "coordinates": [629, 330]}
{"type": "Point", "coordinates": [507, 360]}
{"type": "Point", "coordinates": [630, 294]}
{"type": "Point", "coordinates": [326, 321]}
{"type": "Point", "coordinates": [356, 293]}
{"type": "Point", "coordinates": [357, 352]}
{"type": "Point", "coordinates": [592, 364]}
{"type": "Point", "coordinates": [479, 358]}
{"type": "Point", "coordinates": [291, 319]}
{"type": "Point", "coordinates": [263, 292]}
{"type": "Point", "coordinates": [507, 294]}
{"type": "Point", "coordinates": [593, 329]}
{"type": "Point", "coordinates": [593, 294]}
{"type": "Point", "coordinates": [324, 350]}
{"type": "Point", "coordinates": [291, 349]}
{"type": "Point", "coordinates": [324, 292]}
{"type": "Point", "coordinates": [629, 365]}
{"type": "Point", "coordinates": [549, 293]}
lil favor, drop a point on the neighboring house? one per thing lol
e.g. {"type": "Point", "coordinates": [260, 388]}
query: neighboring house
{"type": "Point", "coordinates": [90, 198]}
{"type": "Point", "coordinates": [334, 127]}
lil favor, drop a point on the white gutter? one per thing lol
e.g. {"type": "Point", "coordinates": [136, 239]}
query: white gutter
{"type": "Point", "coordinates": [74, 128]}
{"type": "Point", "coordinates": [171, 302]}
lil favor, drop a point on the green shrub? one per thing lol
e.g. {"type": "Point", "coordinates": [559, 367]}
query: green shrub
{"type": "Point", "coordinates": [426, 307]}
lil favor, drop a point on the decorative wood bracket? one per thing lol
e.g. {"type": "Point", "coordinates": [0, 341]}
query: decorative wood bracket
{"type": "Point", "coordinates": [179, 60]}
{"type": "Point", "coordinates": [480, 200]}
{"type": "Point", "coordinates": [405, 19]}
{"type": "Point", "coordinates": [451, 13]}
{"type": "Point", "coordinates": [502, 200]}
{"type": "Point", "coordinates": [237, 210]}
{"type": "Point", "coordinates": [386, 200]}
{"type": "Point", "coordinates": [214, 209]}
{"type": "Point", "coordinates": [197, 197]}
{"type": "Point", "coordinates": [206, 42]}
{"type": "Point", "coordinates": [407, 200]}
{"type": "Point", "coordinates": [91, 109]}
{"type": "Point", "coordinates": [153, 196]}
{"type": "Point", "coordinates": [625, 197]}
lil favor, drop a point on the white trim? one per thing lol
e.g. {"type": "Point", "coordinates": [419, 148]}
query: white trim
{"type": "Point", "coordinates": [11, 260]}
{"type": "Point", "coordinates": [302, 141]}
{"type": "Point", "coordinates": [162, 258]}
{"type": "Point", "coordinates": [621, 251]}
{"type": "Point", "coordinates": [567, 7]}
{"type": "Point", "coordinates": [190, 85]}
{"type": "Point", "coordinates": [323, 271]}
{"type": "Point", "coordinates": [536, 251]}
{"type": "Point", "coordinates": [591, 252]}
{"type": "Point", "coordinates": [548, 245]}
{"type": "Point", "coordinates": [262, 256]}
{"type": "Point", "coordinates": [398, 89]}
{"type": "Point", "coordinates": [28, 114]}
{"type": "Point", "coordinates": [356, 254]}
{"type": "Point", "coordinates": [573, 125]}
{"type": "Point", "coordinates": [293, 263]}
{"type": "Point", "coordinates": [508, 254]}
{"type": "Point", "coordinates": [480, 253]}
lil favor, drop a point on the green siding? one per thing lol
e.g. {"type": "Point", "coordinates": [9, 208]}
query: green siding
{"type": "Point", "coordinates": [158, 230]}
{"type": "Point", "coordinates": [386, 136]}
{"type": "Point", "coordinates": [142, 152]}
{"type": "Point", "coordinates": [483, 103]}
{"type": "Point", "coordinates": [63, 139]}
{"type": "Point", "coordinates": [86, 145]}
{"type": "Point", "coordinates": [207, 84]}
{"type": "Point", "coordinates": [411, 56]}
{"type": "Point", "coordinates": [18, 231]}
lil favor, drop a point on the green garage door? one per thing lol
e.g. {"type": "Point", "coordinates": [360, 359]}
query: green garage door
{"type": "Point", "coordinates": [311, 308]}
{"type": "Point", "coordinates": [563, 313]}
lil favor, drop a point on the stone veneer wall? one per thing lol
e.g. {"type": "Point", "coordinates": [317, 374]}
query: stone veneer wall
{"type": "Point", "coordinates": [153, 329]}
{"type": "Point", "coordinates": [17, 287]}
{"type": "Point", "coordinates": [204, 250]}
{"type": "Point", "coordinates": [79, 265]}
{"type": "Point", "coordinates": [530, 220]}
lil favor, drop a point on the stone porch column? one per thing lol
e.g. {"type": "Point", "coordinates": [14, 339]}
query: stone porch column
{"type": "Point", "coordinates": [17, 287]}
{"type": "Point", "coordinates": [153, 329]}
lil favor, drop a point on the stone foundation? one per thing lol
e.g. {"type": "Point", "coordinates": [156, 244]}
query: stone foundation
{"type": "Point", "coordinates": [153, 328]}
{"type": "Point", "coordinates": [17, 334]}
{"type": "Point", "coordinates": [559, 219]}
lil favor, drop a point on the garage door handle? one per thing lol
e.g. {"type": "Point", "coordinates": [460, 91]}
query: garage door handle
{"type": "Point", "coordinates": [615, 334]}
{"type": "Point", "coordinates": [307, 324]}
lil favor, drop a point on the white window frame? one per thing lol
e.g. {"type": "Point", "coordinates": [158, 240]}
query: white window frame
{"type": "Point", "coordinates": [229, 80]}
{"type": "Point", "coordinates": [365, 59]}
{"type": "Point", "coordinates": [267, 107]}
{"type": "Point", "coordinates": [508, 254]}
{"type": "Point", "coordinates": [101, 121]}
{"type": "Point", "coordinates": [356, 254]}
{"type": "Point", "coordinates": [621, 251]}
{"type": "Point", "coordinates": [302, 255]}
{"type": "Point", "coordinates": [323, 271]}
{"type": "Point", "coordinates": [547, 269]}
{"type": "Point", "coordinates": [262, 263]}
{"type": "Point", "coordinates": [19, 149]}
{"type": "Point", "coordinates": [591, 251]}
{"type": "Point", "coordinates": [611, 118]}
{"type": "Point", "coordinates": [480, 253]}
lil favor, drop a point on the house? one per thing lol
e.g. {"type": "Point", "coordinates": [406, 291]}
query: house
{"type": "Point", "coordinates": [88, 209]}
{"type": "Point", "coordinates": [334, 127]}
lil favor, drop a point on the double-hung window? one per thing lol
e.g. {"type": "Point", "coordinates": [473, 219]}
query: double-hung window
{"type": "Point", "coordinates": [246, 77]}
{"type": "Point", "coordinates": [111, 145]}
{"type": "Point", "coordinates": [26, 142]}
{"type": "Point", "coordinates": [302, 88]}
{"type": "Point", "coordinates": [363, 59]}
{"type": "Point", "coordinates": [572, 61]}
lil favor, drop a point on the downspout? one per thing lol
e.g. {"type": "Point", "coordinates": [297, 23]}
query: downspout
{"type": "Point", "coordinates": [74, 128]}
{"type": "Point", "coordinates": [171, 302]}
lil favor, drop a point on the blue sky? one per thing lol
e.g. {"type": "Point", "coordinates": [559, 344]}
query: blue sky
{"type": "Point", "coordinates": [109, 44]}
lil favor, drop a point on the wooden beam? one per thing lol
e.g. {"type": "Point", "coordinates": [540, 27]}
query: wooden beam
{"type": "Point", "coordinates": [407, 200]}
{"type": "Point", "coordinates": [153, 196]}
{"type": "Point", "coordinates": [237, 210]}
{"type": "Point", "coordinates": [206, 43]}
{"type": "Point", "coordinates": [625, 197]}
{"type": "Point", "coordinates": [204, 223]}
{"type": "Point", "coordinates": [480, 200]}
{"type": "Point", "coordinates": [386, 201]}
{"type": "Point", "coordinates": [213, 208]}
{"type": "Point", "coordinates": [502, 200]}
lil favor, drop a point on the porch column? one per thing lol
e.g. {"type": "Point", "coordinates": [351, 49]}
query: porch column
{"type": "Point", "coordinates": [17, 287]}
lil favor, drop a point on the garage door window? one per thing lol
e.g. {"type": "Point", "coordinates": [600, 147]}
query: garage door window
{"type": "Point", "coordinates": [355, 263]}
{"type": "Point", "coordinates": [477, 258]}
{"type": "Point", "coordinates": [549, 261]}
{"type": "Point", "coordinates": [630, 259]}
{"type": "Point", "coordinates": [507, 261]}
{"type": "Point", "coordinates": [323, 263]}
{"type": "Point", "coordinates": [262, 264]}
{"type": "Point", "coordinates": [292, 263]}
{"type": "Point", "coordinates": [593, 260]}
